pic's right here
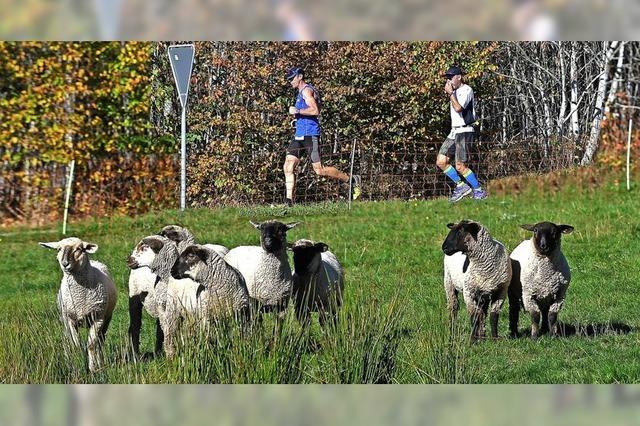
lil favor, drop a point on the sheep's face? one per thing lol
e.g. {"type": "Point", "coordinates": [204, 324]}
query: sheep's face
{"type": "Point", "coordinates": [547, 235]}
{"type": "Point", "coordinates": [177, 234]}
{"type": "Point", "coordinates": [273, 234]}
{"type": "Point", "coordinates": [461, 237]}
{"type": "Point", "coordinates": [191, 262]}
{"type": "Point", "coordinates": [73, 253]}
{"type": "Point", "coordinates": [145, 252]}
{"type": "Point", "coordinates": [306, 255]}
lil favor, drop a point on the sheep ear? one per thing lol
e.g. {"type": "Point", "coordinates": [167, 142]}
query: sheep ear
{"type": "Point", "coordinates": [202, 253]}
{"type": "Point", "coordinates": [321, 247]}
{"type": "Point", "coordinates": [90, 247]}
{"type": "Point", "coordinates": [528, 227]}
{"type": "Point", "coordinates": [473, 229]}
{"type": "Point", "coordinates": [291, 225]}
{"type": "Point", "coordinates": [51, 245]}
{"type": "Point", "coordinates": [451, 225]}
{"type": "Point", "coordinates": [155, 244]}
{"type": "Point", "coordinates": [171, 234]}
{"type": "Point", "coordinates": [566, 229]}
{"type": "Point", "coordinates": [255, 225]}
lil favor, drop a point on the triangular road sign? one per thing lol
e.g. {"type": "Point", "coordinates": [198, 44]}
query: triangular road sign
{"type": "Point", "coordinates": [181, 58]}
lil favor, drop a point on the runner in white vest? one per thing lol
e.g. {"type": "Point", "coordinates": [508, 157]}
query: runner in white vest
{"type": "Point", "coordinates": [460, 138]}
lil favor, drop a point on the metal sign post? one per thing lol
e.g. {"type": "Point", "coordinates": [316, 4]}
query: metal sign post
{"type": "Point", "coordinates": [181, 59]}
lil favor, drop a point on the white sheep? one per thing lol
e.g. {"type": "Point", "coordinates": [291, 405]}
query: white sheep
{"type": "Point", "coordinates": [266, 268]}
{"type": "Point", "coordinates": [479, 266]}
{"type": "Point", "coordinates": [87, 295]}
{"type": "Point", "coordinates": [541, 276]}
{"type": "Point", "coordinates": [318, 281]}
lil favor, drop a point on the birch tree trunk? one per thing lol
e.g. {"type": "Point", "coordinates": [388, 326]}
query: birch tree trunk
{"type": "Point", "coordinates": [592, 144]}
{"type": "Point", "coordinates": [615, 82]}
{"type": "Point", "coordinates": [563, 94]}
{"type": "Point", "coordinates": [575, 119]}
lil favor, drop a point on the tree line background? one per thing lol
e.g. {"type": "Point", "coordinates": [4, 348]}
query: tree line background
{"type": "Point", "coordinates": [112, 108]}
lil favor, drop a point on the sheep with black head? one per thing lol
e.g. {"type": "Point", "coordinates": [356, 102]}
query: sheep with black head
{"type": "Point", "coordinates": [478, 266]}
{"type": "Point", "coordinates": [318, 281]}
{"type": "Point", "coordinates": [541, 277]}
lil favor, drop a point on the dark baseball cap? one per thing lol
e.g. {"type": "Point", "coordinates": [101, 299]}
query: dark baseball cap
{"type": "Point", "coordinates": [453, 70]}
{"type": "Point", "coordinates": [294, 72]}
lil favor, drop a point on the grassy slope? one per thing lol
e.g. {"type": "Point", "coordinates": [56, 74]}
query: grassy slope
{"type": "Point", "coordinates": [392, 249]}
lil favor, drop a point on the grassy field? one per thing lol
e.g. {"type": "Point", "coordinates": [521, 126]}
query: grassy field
{"type": "Point", "coordinates": [394, 323]}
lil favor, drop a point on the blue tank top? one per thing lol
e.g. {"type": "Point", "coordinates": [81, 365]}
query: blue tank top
{"type": "Point", "coordinates": [306, 125]}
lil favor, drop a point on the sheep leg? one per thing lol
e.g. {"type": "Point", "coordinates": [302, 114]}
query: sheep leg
{"type": "Point", "coordinates": [71, 328]}
{"type": "Point", "coordinates": [496, 306]}
{"type": "Point", "coordinates": [170, 327]}
{"type": "Point", "coordinates": [514, 312]}
{"type": "Point", "coordinates": [554, 326]}
{"type": "Point", "coordinates": [159, 337]}
{"type": "Point", "coordinates": [102, 332]}
{"type": "Point", "coordinates": [535, 321]}
{"type": "Point", "coordinates": [93, 345]}
{"type": "Point", "coordinates": [544, 323]}
{"type": "Point", "coordinates": [135, 322]}
{"type": "Point", "coordinates": [452, 300]}
{"type": "Point", "coordinates": [243, 318]}
{"type": "Point", "coordinates": [476, 316]}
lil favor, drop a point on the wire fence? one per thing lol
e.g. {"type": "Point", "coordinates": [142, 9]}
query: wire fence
{"type": "Point", "coordinates": [133, 185]}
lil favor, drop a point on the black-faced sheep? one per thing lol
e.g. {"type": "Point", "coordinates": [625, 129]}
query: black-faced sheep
{"type": "Point", "coordinates": [318, 281]}
{"type": "Point", "coordinates": [479, 266]}
{"type": "Point", "coordinates": [540, 280]}
{"type": "Point", "coordinates": [87, 295]}
{"type": "Point", "coordinates": [221, 291]}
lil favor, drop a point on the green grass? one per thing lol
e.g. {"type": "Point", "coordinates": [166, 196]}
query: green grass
{"type": "Point", "coordinates": [394, 323]}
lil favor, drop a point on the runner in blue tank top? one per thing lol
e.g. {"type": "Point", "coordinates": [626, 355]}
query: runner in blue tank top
{"type": "Point", "coordinates": [307, 137]}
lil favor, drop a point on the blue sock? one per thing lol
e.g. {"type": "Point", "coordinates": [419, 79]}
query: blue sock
{"type": "Point", "coordinates": [452, 174]}
{"type": "Point", "coordinates": [470, 177]}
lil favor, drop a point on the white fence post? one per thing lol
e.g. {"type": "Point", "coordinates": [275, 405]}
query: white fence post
{"type": "Point", "coordinates": [68, 195]}
{"type": "Point", "coordinates": [353, 153]}
{"type": "Point", "coordinates": [629, 155]}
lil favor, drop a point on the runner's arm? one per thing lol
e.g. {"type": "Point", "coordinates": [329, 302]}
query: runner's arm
{"type": "Point", "coordinates": [312, 108]}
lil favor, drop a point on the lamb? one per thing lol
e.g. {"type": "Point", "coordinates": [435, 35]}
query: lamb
{"type": "Point", "coordinates": [87, 295]}
{"type": "Point", "coordinates": [479, 266]}
{"type": "Point", "coordinates": [540, 279]}
{"type": "Point", "coordinates": [265, 268]}
{"type": "Point", "coordinates": [318, 281]}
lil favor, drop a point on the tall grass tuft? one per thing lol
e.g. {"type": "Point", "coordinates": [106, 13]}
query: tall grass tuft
{"type": "Point", "coordinates": [362, 347]}
{"type": "Point", "coordinates": [35, 350]}
{"type": "Point", "coordinates": [225, 352]}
